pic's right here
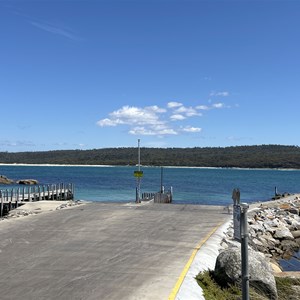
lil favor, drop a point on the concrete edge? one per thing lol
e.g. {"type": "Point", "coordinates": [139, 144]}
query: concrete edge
{"type": "Point", "coordinates": [204, 259]}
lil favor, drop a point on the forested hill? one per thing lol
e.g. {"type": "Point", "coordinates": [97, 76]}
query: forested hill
{"type": "Point", "coordinates": [263, 156]}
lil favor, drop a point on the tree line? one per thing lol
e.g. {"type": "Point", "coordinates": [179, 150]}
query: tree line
{"type": "Point", "coordinates": [259, 156]}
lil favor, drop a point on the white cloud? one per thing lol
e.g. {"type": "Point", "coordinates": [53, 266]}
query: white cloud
{"type": "Point", "coordinates": [108, 122]}
{"type": "Point", "coordinates": [219, 94]}
{"type": "Point", "coordinates": [157, 109]}
{"type": "Point", "coordinates": [177, 117]}
{"type": "Point", "coordinates": [218, 105]}
{"type": "Point", "coordinates": [188, 111]}
{"type": "Point", "coordinates": [212, 106]}
{"type": "Point", "coordinates": [174, 104]}
{"type": "Point", "coordinates": [152, 131]}
{"type": "Point", "coordinates": [8, 143]}
{"type": "Point", "coordinates": [191, 129]}
{"type": "Point", "coordinates": [156, 121]}
{"type": "Point", "coordinates": [202, 107]}
{"type": "Point", "coordinates": [131, 115]}
{"type": "Point", "coordinates": [55, 30]}
{"type": "Point", "coordinates": [143, 121]}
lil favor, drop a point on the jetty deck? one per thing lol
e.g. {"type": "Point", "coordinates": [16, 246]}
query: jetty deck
{"type": "Point", "coordinates": [102, 250]}
{"type": "Point", "coordinates": [12, 198]}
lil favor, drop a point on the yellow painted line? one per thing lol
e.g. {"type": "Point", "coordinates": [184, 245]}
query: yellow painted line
{"type": "Point", "coordinates": [189, 263]}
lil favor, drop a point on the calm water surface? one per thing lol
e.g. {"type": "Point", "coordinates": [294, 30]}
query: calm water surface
{"type": "Point", "coordinates": [190, 185]}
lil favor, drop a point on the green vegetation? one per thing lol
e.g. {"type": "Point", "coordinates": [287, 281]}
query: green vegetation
{"type": "Point", "coordinates": [263, 156]}
{"type": "Point", "coordinates": [287, 288]}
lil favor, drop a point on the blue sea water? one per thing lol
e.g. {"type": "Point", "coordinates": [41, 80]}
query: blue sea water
{"type": "Point", "coordinates": [291, 264]}
{"type": "Point", "coordinates": [190, 185]}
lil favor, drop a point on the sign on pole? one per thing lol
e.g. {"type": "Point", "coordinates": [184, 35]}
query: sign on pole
{"type": "Point", "coordinates": [138, 174]}
{"type": "Point", "coordinates": [237, 222]}
{"type": "Point", "coordinates": [236, 214]}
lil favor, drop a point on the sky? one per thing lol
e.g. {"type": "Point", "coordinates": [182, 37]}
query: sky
{"type": "Point", "coordinates": [96, 74]}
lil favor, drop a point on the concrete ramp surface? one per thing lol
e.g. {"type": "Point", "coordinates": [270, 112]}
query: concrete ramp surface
{"type": "Point", "coordinates": [101, 251]}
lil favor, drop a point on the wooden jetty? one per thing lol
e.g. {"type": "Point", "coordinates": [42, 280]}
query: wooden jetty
{"type": "Point", "coordinates": [12, 198]}
{"type": "Point", "coordinates": [163, 197]}
{"type": "Point", "coordinates": [159, 197]}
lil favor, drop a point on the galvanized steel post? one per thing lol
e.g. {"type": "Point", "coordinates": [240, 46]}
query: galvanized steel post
{"type": "Point", "coordinates": [244, 251]}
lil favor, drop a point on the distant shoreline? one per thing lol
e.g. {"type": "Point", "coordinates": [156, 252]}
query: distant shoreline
{"type": "Point", "coordinates": [146, 166]}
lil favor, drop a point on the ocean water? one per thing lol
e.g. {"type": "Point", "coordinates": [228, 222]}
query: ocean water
{"type": "Point", "coordinates": [190, 185]}
{"type": "Point", "coordinates": [292, 264]}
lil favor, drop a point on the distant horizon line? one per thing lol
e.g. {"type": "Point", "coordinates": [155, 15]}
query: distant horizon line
{"type": "Point", "coordinates": [147, 147]}
{"type": "Point", "coordinates": [145, 166]}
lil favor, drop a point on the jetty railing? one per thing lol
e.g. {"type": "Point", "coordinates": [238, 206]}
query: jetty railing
{"type": "Point", "coordinates": [148, 196]}
{"type": "Point", "coordinates": [12, 198]}
{"type": "Point", "coordinates": [163, 197]}
{"type": "Point", "coordinates": [159, 197]}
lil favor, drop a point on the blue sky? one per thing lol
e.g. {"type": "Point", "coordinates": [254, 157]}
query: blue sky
{"type": "Point", "coordinates": [97, 74]}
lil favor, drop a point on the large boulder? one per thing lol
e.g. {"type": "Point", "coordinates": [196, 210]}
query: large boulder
{"type": "Point", "coordinates": [228, 271]}
{"type": "Point", "coordinates": [5, 180]}
{"type": "Point", "coordinates": [27, 181]}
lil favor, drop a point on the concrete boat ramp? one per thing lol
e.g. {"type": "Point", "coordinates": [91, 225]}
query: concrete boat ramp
{"type": "Point", "coordinates": [102, 250]}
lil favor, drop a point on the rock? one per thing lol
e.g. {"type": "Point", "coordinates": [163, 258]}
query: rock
{"type": "Point", "coordinates": [275, 267]}
{"type": "Point", "coordinates": [283, 233]}
{"type": "Point", "coordinates": [296, 234]}
{"type": "Point", "coordinates": [294, 210]}
{"type": "Point", "coordinates": [27, 181]}
{"type": "Point", "coordinates": [279, 251]}
{"type": "Point", "coordinates": [288, 245]}
{"type": "Point", "coordinates": [285, 206]}
{"type": "Point", "coordinates": [5, 180]}
{"type": "Point", "coordinates": [228, 271]}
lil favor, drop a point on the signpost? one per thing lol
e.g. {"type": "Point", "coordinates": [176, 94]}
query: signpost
{"type": "Point", "coordinates": [138, 174]}
{"type": "Point", "coordinates": [244, 251]}
{"type": "Point", "coordinates": [240, 226]}
{"type": "Point", "coordinates": [236, 214]}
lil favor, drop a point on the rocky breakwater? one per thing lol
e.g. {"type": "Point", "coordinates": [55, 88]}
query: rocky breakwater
{"type": "Point", "coordinates": [274, 234]}
{"type": "Point", "coordinates": [274, 229]}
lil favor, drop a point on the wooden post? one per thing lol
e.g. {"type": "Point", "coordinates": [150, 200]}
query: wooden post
{"type": "Point", "coordinates": [52, 195]}
{"type": "Point", "coordinates": [73, 191]}
{"type": "Point", "coordinates": [17, 197]}
{"type": "Point", "coordinates": [39, 191]}
{"type": "Point", "coordinates": [23, 194]}
{"type": "Point", "coordinates": [29, 196]}
{"type": "Point", "coordinates": [63, 191]}
{"type": "Point", "coordinates": [9, 202]}
{"type": "Point", "coordinates": [1, 203]}
{"type": "Point", "coordinates": [34, 193]}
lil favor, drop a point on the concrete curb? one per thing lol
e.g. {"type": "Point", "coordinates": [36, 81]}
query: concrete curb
{"type": "Point", "coordinates": [205, 259]}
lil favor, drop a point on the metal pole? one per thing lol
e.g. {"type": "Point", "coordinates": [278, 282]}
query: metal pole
{"type": "Point", "coordinates": [244, 251]}
{"type": "Point", "coordinates": [139, 155]}
{"type": "Point", "coordinates": [161, 179]}
{"type": "Point", "coordinates": [138, 189]}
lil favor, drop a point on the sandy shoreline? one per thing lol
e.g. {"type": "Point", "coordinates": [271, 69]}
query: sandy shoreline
{"type": "Point", "coordinates": [38, 207]}
{"type": "Point", "coordinates": [146, 166]}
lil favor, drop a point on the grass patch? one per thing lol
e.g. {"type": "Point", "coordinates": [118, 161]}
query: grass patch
{"type": "Point", "coordinates": [287, 288]}
{"type": "Point", "coordinates": [212, 291]}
